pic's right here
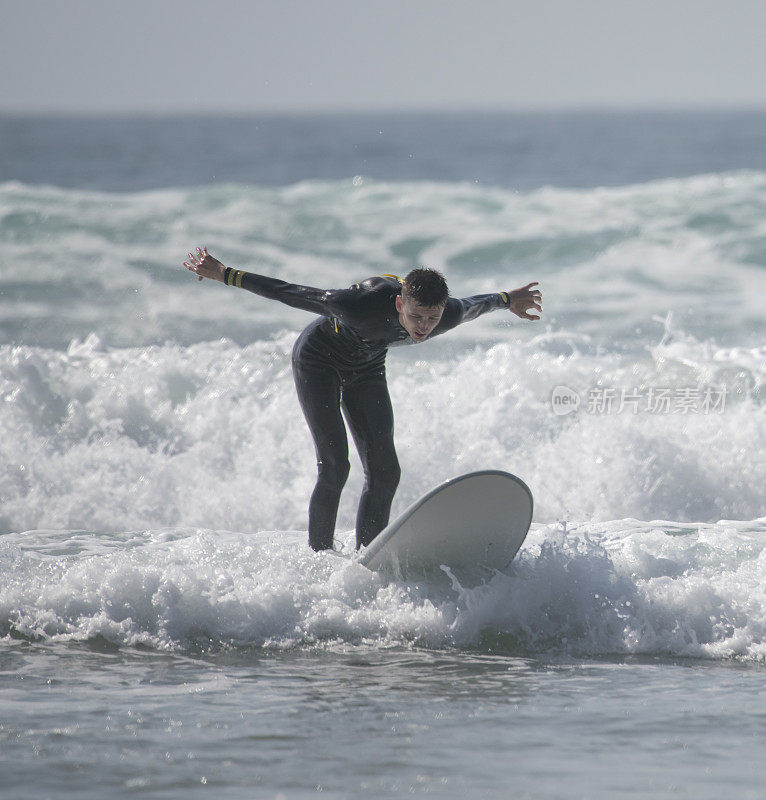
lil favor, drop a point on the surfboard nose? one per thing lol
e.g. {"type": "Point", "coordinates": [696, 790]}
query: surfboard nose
{"type": "Point", "coordinates": [475, 520]}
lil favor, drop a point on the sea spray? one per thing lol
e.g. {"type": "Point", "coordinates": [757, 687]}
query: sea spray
{"type": "Point", "coordinates": [627, 588]}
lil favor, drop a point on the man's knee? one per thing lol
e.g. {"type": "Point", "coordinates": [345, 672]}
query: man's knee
{"type": "Point", "coordinates": [333, 473]}
{"type": "Point", "coordinates": [395, 474]}
{"type": "Point", "coordinates": [383, 478]}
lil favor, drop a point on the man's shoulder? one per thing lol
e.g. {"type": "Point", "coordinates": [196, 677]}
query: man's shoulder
{"type": "Point", "coordinates": [375, 289]}
{"type": "Point", "coordinates": [380, 283]}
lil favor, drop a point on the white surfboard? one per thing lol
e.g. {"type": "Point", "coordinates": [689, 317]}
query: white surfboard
{"type": "Point", "coordinates": [475, 520]}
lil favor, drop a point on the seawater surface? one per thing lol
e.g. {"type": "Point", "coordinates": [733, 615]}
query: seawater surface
{"type": "Point", "coordinates": [166, 630]}
{"type": "Point", "coordinates": [379, 723]}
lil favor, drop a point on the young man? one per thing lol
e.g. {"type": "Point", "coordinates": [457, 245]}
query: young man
{"type": "Point", "coordinates": [339, 362]}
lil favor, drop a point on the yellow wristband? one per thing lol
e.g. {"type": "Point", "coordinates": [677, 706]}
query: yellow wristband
{"type": "Point", "coordinates": [234, 277]}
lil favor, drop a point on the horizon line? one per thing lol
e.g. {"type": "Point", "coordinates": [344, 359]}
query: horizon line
{"type": "Point", "coordinates": [294, 111]}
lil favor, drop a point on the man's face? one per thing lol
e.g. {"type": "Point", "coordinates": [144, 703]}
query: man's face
{"type": "Point", "coordinates": [419, 321]}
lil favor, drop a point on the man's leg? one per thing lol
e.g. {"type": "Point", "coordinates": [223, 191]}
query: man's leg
{"type": "Point", "coordinates": [367, 406]}
{"type": "Point", "coordinates": [319, 396]}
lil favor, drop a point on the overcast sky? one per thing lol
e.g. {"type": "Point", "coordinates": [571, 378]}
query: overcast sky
{"type": "Point", "coordinates": [313, 55]}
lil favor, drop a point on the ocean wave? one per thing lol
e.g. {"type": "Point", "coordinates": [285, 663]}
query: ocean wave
{"type": "Point", "coordinates": [619, 588]}
{"type": "Point", "coordinates": [211, 435]}
{"type": "Point", "coordinates": [135, 399]}
{"type": "Point", "coordinates": [608, 258]}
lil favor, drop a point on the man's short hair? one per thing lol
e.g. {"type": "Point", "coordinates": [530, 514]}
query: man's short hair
{"type": "Point", "coordinates": [426, 287]}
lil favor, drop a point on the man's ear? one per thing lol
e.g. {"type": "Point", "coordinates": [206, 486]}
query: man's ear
{"type": "Point", "coordinates": [398, 303]}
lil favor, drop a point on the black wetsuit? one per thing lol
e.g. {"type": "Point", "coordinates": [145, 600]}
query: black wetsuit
{"type": "Point", "coordinates": [339, 362]}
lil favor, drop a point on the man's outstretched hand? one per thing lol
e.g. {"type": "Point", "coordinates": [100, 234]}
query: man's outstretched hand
{"type": "Point", "coordinates": [520, 301]}
{"type": "Point", "coordinates": [204, 265]}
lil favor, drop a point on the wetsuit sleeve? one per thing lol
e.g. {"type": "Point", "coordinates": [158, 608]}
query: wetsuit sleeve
{"type": "Point", "coordinates": [307, 298]}
{"type": "Point", "coordinates": [469, 308]}
{"type": "Point", "coordinates": [473, 307]}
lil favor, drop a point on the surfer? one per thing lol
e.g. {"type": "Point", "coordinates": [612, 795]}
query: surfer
{"type": "Point", "coordinates": [339, 363]}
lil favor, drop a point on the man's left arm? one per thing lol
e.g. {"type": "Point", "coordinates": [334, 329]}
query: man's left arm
{"type": "Point", "coordinates": [519, 301]}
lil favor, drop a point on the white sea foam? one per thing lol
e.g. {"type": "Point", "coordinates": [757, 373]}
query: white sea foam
{"type": "Point", "coordinates": [622, 588]}
{"type": "Point", "coordinates": [107, 441]}
{"type": "Point", "coordinates": [211, 435]}
{"type": "Point", "coordinates": [143, 416]}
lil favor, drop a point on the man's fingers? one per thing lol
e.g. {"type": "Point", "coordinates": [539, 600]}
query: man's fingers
{"type": "Point", "coordinates": [521, 306]}
{"type": "Point", "coordinates": [525, 303]}
{"type": "Point", "coordinates": [527, 293]}
{"type": "Point", "coordinates": [196, 260]}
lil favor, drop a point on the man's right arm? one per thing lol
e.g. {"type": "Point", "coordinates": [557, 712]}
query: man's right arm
{"type": "Point", "coordinates": [307, 298]}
